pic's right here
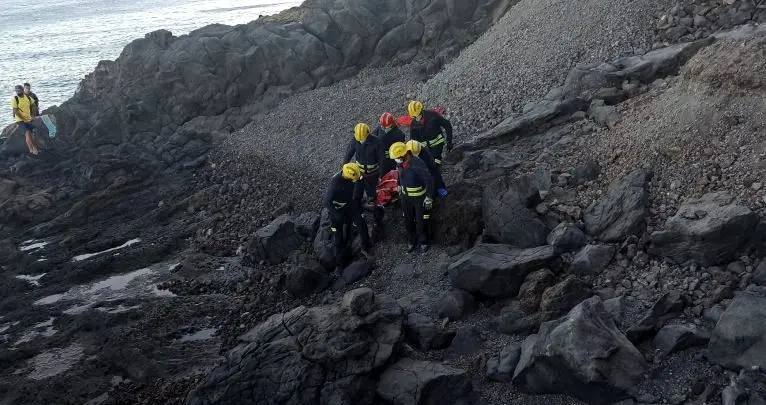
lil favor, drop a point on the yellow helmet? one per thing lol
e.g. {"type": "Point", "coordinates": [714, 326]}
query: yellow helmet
{"type": "Point", "coordinates": [351, 171]}
{"type": "Point", "coordinates": [415, 108]}
{"type": "Point", "coordinates": [361, 132]}
{"type": "Point", "coordinates": [397, 150]}
{"type": "Point", "coordinates": [414, 146]}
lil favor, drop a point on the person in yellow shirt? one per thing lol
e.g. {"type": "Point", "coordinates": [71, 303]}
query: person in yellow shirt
{"type": "Point", "coordinates": [22, 112]}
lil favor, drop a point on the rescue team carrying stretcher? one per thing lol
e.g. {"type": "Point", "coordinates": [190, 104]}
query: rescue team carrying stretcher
{"type": "Point", "coordinates": [386, 155]}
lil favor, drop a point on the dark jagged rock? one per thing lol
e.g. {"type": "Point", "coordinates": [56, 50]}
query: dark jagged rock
{"type": "Point", "coordinates": [308, 355]}
{"type": "Point", "coordinates": [497, 270]}
{"type": "Point", "coordinates": [738, 338]}
{"type": "Point", "coordinates": [478, 163]}
{"type": "Point", "coordinates": [467, 341]}
{"type": "Point", "coordinates": [667, 307]}
{"type": "Point", "coordinates": [513, 320]}
{"type": "Point", "coordinates": [710, 230]}
{"type": "Point", "coordinates": [605, 115]}
{"type": "Point", "coordinates": [743, 389]}
{"type": "Point", "coordinates": [415, 382]}
{"type": "Point", "coordinates": [307, 224]}
{"type": "Point", "coordinates": [759, 275]}
{"type": "Point", "coordinates": [531, 291]}
{"type": "Point", "coordinates": [616, 308]}
{"type": "Point", "coordinates": [622, 211]}
{"type": "Point", "coordinates": [507, 216]}
{"type": "Point", "coordinates": [500, 368]}
{"type": "Point", "coordinates": [672, 338]}
{"type": "Point", "coordinates": [559, 299]}
{"type": "Point", "coordinates": [592, 259]}
{"type": "Point", "coordinates": [274, 242]}
{"type": "Point", "coordinates": [586, 172]}
{"type": "Point", "coordinates": [425, 334]}
{"type": "Point", "coordinates": [455, 305]}
{"type": "Point", "coordinates": [13, 141]}
{"type": "Point", "coordinates": [459, 216]}
{"type": "Point", "coordinates": [567, 237]}
{"type": "Point", "coordinates": [306, 277]}
{"type": "Point", "coordinates": [353, 273]}
{"type": "Point", "coordinates": [582, 354]}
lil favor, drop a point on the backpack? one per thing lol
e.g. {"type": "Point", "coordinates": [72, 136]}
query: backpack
{"type": "Point", "coordinates": [13, 114]}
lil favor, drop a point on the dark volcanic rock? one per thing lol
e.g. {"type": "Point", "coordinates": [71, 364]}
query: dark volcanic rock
{"type": "Point", "coordinates": [622, 211]}
{"type": "Point", "coordinates": [667, 307]}
{"type": "Point", "coordinates": [759, 276]}
{"type": "Point", "coordinates": [513, 320]}
{"type": "Point", "coordinates": [425, 334]}
{"type": "Point", "coordinates": [307, 224]}
{"type": "Point", "coordinates": [353, 273]}
{"type": "Point", "coordinates": [672, 338]}
{"type": "Point", "coordinates": [468, 340]}
{"type": "Point", "coordinates": [710, 231]}
{"type": "Point", "coordinates": [507, 216]}
{"type": "Point", "coordinates": [15, 143]}
{"type": "Point", "coordinates": [308, 355]}
{"type": "Point", "coordinates": [497, 270]}
{"type": "Point", "coordinates": [459, 216]}
{"type": "Point", "coordinates": [616, 308]}
{"type": "Point", "coordinates": [567, 237]}
{"type": "Point", "coordinates": [500, 368]}
{"type": "Point", "coordinates": [592, 259]}
{"type": "Point", "coordinates": [455, 304]}
{"type": "Point", "coordinates": [305, 278]}
{"type": "Point", "coordinates": [583, 355]}
{"type": "Point", "coordinates": [559, 299]}
{"type": "Point", "coordinates": [739, 338]}
{"type": "Point", "coordinates": [743, 389]}
{"type": "Point", "coordinates": [415, 382]}
{"type": "Point", "coordinates": [531, 292]}
{"type": "Point", "coordinates": [274, 242]}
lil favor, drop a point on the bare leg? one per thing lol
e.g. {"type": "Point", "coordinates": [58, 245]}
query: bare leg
{"type": "Point", "coordinates": [31, 143]}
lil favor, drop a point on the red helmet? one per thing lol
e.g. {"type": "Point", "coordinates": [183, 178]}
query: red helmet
{"type": "Point", "coordinates": [387, 120]}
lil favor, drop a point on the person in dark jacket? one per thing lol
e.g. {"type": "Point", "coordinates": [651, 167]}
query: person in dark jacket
{"type": "Point", "coordinates": [339, 200]}
{"type": "Point", "coordinates": [430, 128]}
{"type": "Point", "coordinates": [388, 133]}
{"type": "Point", "coordinates": [416, 191]}
{"type": "Point", "coordinates": [366, 151]}
{"type": "Point", "coordinates": [417, 149]}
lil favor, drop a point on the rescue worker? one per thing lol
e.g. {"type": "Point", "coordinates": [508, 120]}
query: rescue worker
{"type": "Point", "coordinates": [417, 149]}
{"type": "Point", "coordinates": [366, 151]}
{"type": "Point", "coordinates": [427, 127]}
{"type": "Point", "coordinates": [388, 133]}
{"type": "Point", "coordinates": [416, 191]}
{"type": "Point", "coordinates": [343, 212]}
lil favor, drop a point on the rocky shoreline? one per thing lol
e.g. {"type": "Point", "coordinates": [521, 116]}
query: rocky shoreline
{"type": "Point", "coordinates": [604, 244]}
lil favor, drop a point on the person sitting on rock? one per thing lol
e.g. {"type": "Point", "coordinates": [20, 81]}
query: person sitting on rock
{"type": "Point", "coordinates": [338, 199]}
{"type": "Point", "coordinates": [417, 149]}
{"type": "Point", "coordinates": [388, 133]}
{"type": "Point", "coordinates": [365, 149]}
{"type": "Point", "coordinates": [33, 96]}
{"type": "Point", "coordinates": [416, 190]}
{"type": "Point", "coordinates": [22, 112]}
{"type": "Point", "coordinates": [426, 127]}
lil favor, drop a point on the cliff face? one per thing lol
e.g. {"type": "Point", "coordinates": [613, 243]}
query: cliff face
{"type": "Point", "coordinates": [155, 95]}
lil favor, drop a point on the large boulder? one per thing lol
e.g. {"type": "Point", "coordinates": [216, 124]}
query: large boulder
{"type": "Point", "coordinates": [583, 355]}
{"type": "Point", "coordinates": [507, 216]}
{"type": "Point", "coordinates": [309, 355]}
{"type": "Point", "coordinates": [500, 368]}
{"type": "Point", "coordinates": [592, 259]}
{"type": "Point", "coordinates": [459, 216]}
{"type": "Point", "coordinates": [424, 333]}
{"type": "Point", "coordinates": [274, 242]}
{"type": "Point", "coordinates": [739, 338]}
{"type": "Point", "coordinates": [672, 338]}
{"type": "Point", "coordinates": [498, 270]}
{"type": "Point", "coordinates": [455, 304]}
{"type": "Point", "coordinates": [670, 305]}
{"type": "Point", "coordinates": [622, 211]}
{"type": "Point", "coordinates": [559, 299]}
{"type": "Point", "coordinates": [710, 230]}
{"type": "Point", "coordinates": [306, 277]}
{"type": "Point", "coordinates": [531, 292]}
{"type": "Point", "coordinates": [415, 382]}
{"type": "Point", "coordinates": [13, 141]}
{"type": "Point", "coordinates": [567, 237]}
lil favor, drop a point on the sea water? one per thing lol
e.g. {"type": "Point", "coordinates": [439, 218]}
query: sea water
{"type": "Point", "coordinates": [54, 44]}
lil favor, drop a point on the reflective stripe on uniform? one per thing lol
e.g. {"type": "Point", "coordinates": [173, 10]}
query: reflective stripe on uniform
{"type": "Point", "coordinates": [414, 191]}
{"type": "Point", "coordinates": [333, 229]}
{"type": "Point", "coordinates": [338, 204]}
{"type": "Point", "coordinates": [426, 216]}
{"type": "Point", "coordinates": [438, 161]}
{"type": "Point", "coordinates": [436, 141]}
{"type": "Point", "coordinates": [367, 168]}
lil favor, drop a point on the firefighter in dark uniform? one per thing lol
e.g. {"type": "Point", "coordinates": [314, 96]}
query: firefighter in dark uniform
{"type": "Point", "coordinates": [338, 199]}
{"type": "Point", "coordinates": [416, 191]}
{"type": "Point", "coordinates": [388, 133]}
{"type": "Point", "coordinates": [366, 151]}
{"type": "Point", "coordinates": [417, 149]}
{"type": "Point", "coordinates": [430, 128]}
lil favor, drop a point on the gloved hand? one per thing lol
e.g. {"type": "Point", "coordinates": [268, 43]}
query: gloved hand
{"type": "Point", "coordinates": [428, 203]}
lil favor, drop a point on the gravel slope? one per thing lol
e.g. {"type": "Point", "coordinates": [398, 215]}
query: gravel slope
{"type": "Point", "coordinates": [531, 49]}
